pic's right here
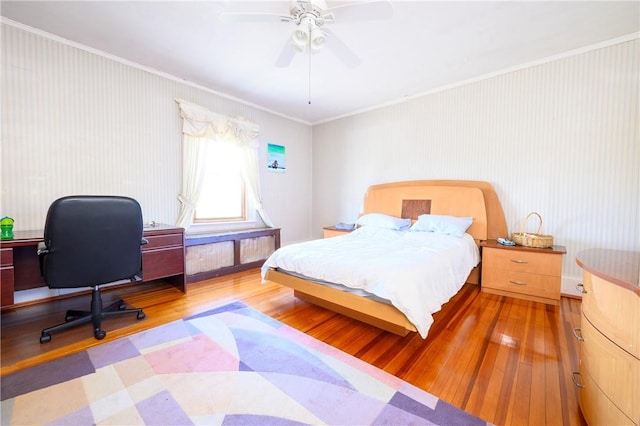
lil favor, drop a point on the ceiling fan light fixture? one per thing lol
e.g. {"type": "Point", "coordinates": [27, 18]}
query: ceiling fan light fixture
{"type": "Point", "coordinates": [301, 37]}
{"type": "Point", "coordinates": [318, 39]}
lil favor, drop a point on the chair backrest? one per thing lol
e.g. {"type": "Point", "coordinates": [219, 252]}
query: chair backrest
{"type": "Point", "coordinates": [92, 240]}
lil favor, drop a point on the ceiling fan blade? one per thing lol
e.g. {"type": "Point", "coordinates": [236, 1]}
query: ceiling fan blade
{"type": "Point", "coordinates": [286, 56]}
{"type": "Point", "coordinates": [367, 10]}
{"type": "Point", "coordinates": [252, 17]}
{"type": "Point", "coordinates": [341, 50]}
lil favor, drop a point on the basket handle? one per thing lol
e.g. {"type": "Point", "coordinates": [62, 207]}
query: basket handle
{"type": "Point", "coordinates": [524, 224]}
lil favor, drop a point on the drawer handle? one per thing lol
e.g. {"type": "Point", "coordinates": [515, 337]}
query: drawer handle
{"type": "Point", "coordinates": [580, 288]}
{"type": "Point", "coordinates": [518, 261]}
{"type": "Point", "coordinates": [517, 282]}
{"type": "Point", "coordinates": [574, 377]}
{"type": "Point", "coordinates": [577, 333]}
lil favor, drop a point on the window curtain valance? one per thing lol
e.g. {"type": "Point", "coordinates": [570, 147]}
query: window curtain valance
{"type": "Point", "coordinates": [201, 128]}
{"type": "Point", "coordinates": [200, 122]}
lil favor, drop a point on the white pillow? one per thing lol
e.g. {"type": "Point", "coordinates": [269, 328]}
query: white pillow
{"type": "Point", "coordinates": [443, 224]}
{"type": "Point", "coordinates": [380, 220]}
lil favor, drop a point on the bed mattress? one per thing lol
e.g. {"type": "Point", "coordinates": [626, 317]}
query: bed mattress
{"type": "Point", "coordinates": [417, 272]}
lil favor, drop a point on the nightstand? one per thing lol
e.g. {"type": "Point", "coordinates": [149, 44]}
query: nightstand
{"type": "Point", "coordinates": [332, 231]}
{"type": "Point", "coordinates": [522, 272]}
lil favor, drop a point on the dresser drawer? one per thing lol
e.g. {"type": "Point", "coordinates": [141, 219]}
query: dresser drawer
{"type": "Point", "coordinates": [596, 407]}
{"type": "Point", "coordinates": [522, 261]}
{"type": "Point", "coordinates": [613, 310]}
{"type": "Point", "coordinates": [525, 283]}
{"type": "Point", "coordinates": [615, 372]}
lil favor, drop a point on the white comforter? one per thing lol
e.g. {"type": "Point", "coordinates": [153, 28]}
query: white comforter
{"type": "Point", "coordinates": [416, 271]}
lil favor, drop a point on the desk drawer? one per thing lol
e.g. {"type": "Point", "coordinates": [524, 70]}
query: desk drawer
{"type": "Point", "coordinates": [157, 241]}
{"type": "Point", "coordinates": [162, 263]}
{"type": "Point", "coordinates": [6, 257]}
{"type": "Point", "coordinates": [7, 288]}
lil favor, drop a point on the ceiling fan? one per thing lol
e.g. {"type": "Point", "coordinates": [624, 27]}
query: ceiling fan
{"type": "Point", "coordinates": [311, 33]}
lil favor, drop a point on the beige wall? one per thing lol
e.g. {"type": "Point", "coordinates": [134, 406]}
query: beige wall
{"type": "Point", "coordinates": [77, 122]}
{"type": "Point", "coordinates": [560, 138]}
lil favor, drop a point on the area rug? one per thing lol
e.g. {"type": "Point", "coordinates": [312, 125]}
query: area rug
{"type": "Point", "coordinates": [230, 366]}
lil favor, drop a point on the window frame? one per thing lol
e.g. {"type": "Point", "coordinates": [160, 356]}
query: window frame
{"type": "Point", "coordinates": [246, 218]}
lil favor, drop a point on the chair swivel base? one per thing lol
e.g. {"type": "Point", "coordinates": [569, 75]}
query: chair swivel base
{"type": "Point", "coordinates": [96, 315]}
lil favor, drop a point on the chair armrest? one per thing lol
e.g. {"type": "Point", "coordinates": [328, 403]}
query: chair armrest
{"type": "Point", "coordinates": [42, 251]}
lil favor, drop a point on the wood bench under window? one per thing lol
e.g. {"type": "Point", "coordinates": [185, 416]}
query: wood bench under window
{"type": "Point", "coordinates": [216, 254]}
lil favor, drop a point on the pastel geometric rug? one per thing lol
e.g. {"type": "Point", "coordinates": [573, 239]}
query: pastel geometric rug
{"type": "Point", "coordinates": [229, 366]}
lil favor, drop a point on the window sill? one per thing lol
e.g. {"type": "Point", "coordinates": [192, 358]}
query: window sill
{"type": "Point", "coordinates": [215, 228]}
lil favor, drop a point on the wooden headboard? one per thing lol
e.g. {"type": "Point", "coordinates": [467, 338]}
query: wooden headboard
{"type": "Point", "coordinates": [409, 199]}
{"type": "Point", "coordinates": [475, 199]}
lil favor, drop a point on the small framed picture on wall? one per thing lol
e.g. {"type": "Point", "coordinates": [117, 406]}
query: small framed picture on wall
{"type": "Point", "coordinates": [276, 158]}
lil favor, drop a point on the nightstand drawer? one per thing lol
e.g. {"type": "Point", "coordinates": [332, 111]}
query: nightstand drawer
{"type": "Point", "coordinates": [522, 261]}
{"type": "Point", "coordinates": [525, 283]}
{"type": "Point", "coordinates": [332, 231]}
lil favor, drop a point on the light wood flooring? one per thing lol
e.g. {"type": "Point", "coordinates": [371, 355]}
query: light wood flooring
{"type": "Point", "coordinates": [505, 360]}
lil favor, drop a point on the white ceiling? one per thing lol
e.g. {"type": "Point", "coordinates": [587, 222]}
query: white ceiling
{"type": "Point", "coordinates": [424, 46]}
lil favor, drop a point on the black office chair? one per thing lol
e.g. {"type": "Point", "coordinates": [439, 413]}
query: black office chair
{"type": "Point", "coordinates": [90, 241]}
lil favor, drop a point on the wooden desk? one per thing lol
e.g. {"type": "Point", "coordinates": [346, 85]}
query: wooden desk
{"type": "Point", "coordinates": [162, 257]}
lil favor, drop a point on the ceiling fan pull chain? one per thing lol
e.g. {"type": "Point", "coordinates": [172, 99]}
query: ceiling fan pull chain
{"type": "Point", "coordinates": [309, 74]}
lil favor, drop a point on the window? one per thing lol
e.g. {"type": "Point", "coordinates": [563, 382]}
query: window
{"type": "Point", "coordinates": [223, 197]}
{"type": "Point", "coordinates": [205, 158]}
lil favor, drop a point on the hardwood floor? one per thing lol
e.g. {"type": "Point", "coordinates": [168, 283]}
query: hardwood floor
{"type": "Point", "coordinates": [505, 360]}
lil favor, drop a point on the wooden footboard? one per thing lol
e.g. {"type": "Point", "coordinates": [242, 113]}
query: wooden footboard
{"type": "Point", "coordinates": [378, 314]}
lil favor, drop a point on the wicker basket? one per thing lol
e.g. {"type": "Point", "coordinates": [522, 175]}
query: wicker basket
{"type": "Point", "coordinates": [537, 240]}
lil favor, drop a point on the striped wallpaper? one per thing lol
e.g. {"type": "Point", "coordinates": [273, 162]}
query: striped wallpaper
{"type": "Point", "coordinates": [559, 138]}
{"type": "Point", "coordinates": [76, 121]}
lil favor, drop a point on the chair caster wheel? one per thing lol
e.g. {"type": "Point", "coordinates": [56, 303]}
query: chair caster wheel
{"type": "Point", "coordinates": [141, 315]}
{"type": "Point", "coordinates": [45, 338]}
{"type": "Point", "coordinates": [99, 334]}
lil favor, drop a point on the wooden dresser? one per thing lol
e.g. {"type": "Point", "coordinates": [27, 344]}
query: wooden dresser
{"type": "Point", "coordinates": [522, 272]}
{"type": "Point", "coordinates": [608, 379]}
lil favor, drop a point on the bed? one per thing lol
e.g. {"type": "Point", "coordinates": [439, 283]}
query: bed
{"type": "Point", "coordinates": [408, 200]}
